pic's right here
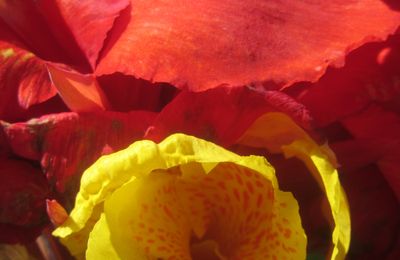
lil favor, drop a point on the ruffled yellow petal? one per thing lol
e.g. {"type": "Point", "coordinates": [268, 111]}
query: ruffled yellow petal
{"type": "Point", "coordinates": [163, 199]}
{"type": "Point", "coordinates": [279, 134]}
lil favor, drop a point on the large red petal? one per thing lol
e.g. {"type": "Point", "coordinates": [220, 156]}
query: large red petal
{"type": "Point", "coordinates": [68, 143]}
{"type": "Point", "coordinates": [86, 22]}
{"type": "Point", "coordinates": [205, 43]}
{"type": "Point", "coordinates": [222, 115]}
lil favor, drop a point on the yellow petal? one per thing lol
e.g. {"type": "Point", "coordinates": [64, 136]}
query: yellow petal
{"type": "Point", "coordinates": [279, 134]}
{"type": "Point", "coordinates": [77, 242]}
{"type": "Point", "coordinates": [99, 243]}
{"type": "Point", "coordinates": [157, 198]}
{"type": "Point", "coordinates": [318, 163]}
{"type": "Point", "coordinates": [145, 218]}
{"type": "Point", "coordinates": [233, 205]}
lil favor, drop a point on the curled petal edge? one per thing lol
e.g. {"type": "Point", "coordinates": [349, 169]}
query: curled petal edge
{"type": "Point", "coordinates": [278, 133]}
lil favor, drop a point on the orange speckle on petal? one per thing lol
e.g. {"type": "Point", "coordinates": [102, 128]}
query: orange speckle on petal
{"type": "Point", "coordinates": [250, 187]}
{"type": "Point", "coordinates": [287, 233]}
{"type": "Point", "coordinates": [236, 193]}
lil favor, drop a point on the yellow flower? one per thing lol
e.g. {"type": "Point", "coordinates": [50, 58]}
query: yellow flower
{"type": "Point", "coordinates": [187, 198]}
{"type": "Point", "coordinates": [181, 197]}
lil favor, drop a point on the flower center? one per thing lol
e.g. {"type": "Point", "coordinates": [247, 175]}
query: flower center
{"type": "Point", "coordinates": [205, 250]}
{"type": "Point", "coordinates": [205, 211]}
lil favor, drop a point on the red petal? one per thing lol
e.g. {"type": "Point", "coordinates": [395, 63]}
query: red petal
{"type": "Point", "coordinates": [24, 18]}
{"type": "Point", "coordinates": [382, 127]}
{"type": "Point", "coordinates": [68, 143]}
{"type": "Point", "coordinates": [23, 189]}
{"type": "Point", "coordinates": [81, 93]}
{"type": "Point", "coordinates": [358, 153]}
{"type": "Point", "coordinates": [372, 73]}
{"type": "Point", "coordinates": [87, 22]}
{"type": "Point", "coordinates": [222, 114]}
{"type": "Point", "coordinates": [126, 93]}
{"type": "Point", "coordinates": [24, 80]}
{"type": "Point", "coordinates": [375, 123]}
{"type": "Point", "coordinates": [374, 212]}
{"type": "Point", "coordinates": [5, 148]}
{"type": "Point", "coordinates": [205, 43]}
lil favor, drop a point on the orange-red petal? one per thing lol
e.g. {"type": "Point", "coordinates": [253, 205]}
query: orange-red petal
{"type": "Point", "coordinates": [81, 93]}
{"type": "Point", "coordinates": [203, 44]}
{"type": "Point", "coordinates": [82, 24]}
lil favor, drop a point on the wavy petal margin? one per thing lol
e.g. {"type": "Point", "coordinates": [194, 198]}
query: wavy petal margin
{"type": "Point", "coordinates": [278, 133]}
{"type": "Point", "coordinates": [128, 177]}
{"type": "Point", "coordinates": [203, 44]}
